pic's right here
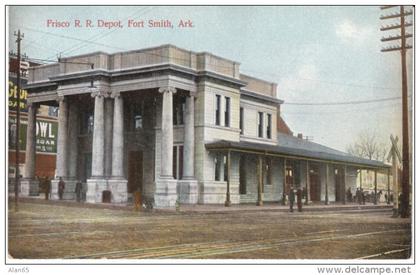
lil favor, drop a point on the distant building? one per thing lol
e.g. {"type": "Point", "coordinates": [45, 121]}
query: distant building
{"type": "Point", "coordinates": [46, 128]}
{"type": "Point", "coordinates": [179, 125]}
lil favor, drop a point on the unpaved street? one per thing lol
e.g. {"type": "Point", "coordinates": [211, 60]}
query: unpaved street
{"type": "Point", "coordinates": [58, 231]}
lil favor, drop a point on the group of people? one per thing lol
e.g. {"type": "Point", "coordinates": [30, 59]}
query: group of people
{"type": "Point", "coordinates": [46, 183]}
{"type": "Point", "coordinates": [362, 197]}
{"type": "Point", "coordinates": [300, 194]}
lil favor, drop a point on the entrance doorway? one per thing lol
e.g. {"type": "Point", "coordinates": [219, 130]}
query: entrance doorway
{"type": "Point", "coordinates": [339, 184]}
{"type": "Point", "coordinates": [242, 175]}
{"type": "Point", "coordinates": [315, 186]}
{"type": "Point", "coordinates": [289, 179]}
{"type": "Point", "coordinates": [135, 171]}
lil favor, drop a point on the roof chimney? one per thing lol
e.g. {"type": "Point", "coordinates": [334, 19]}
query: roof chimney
{"type": "Point", "coordinates": [300, 135]}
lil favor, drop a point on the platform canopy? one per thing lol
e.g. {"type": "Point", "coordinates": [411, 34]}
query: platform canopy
{"type": "Point", "coordinates": [297, 148]}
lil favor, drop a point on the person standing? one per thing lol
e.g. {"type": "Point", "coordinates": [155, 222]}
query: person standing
{"type": "Point", "coordinates": [61, 186]}
{"type": "Point", "coordinates": [291, 198]}
{"type": "Point", "coordinates": [47, 188]}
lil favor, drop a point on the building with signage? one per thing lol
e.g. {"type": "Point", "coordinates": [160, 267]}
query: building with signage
{"type": "Point", "coordinates": [177, 125]}
{"type": "Point", "coordinates": [46, 127]}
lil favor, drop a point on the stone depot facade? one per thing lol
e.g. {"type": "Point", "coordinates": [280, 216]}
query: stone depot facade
{"type": "Point", "coordinates": [175, 125]}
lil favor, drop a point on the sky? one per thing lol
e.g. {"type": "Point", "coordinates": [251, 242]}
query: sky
{"type": "Point", "coordinates": [316, 54]}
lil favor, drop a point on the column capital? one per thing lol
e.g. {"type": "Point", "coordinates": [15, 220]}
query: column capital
{"type": "Point", "coordinates": [101, 93]}
{"type": "Point", "coordinates": [115, 94]}
{"type": "Point", "coordinates": [167, 90]}
{"type": "Point", "coordinates": [192, 94]}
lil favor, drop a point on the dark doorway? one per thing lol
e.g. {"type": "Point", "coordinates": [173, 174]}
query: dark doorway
{"type": "Point", "coordinates": [242, 175]}
{"type": "Point", "coordinates": [87, 171]}
{"type": "Point", "coordinates": [135, 171]}
{"type": "Point", "coordinates": [314, 184]}
{"type": "Point", "coordinates": [339, 184]}
{"type": "Point", "coordinates": [289, 179]}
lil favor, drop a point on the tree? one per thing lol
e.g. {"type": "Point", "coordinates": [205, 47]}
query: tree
{"type": "Point", "coordinates": [368, 145]}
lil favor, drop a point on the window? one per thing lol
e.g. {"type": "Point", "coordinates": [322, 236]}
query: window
{"type": "Point", "coordinates": [260, 124]}
{"type": "Point", "coordinates": [53, 111]}
{"type": "Point", "coordinates": [269, 126]}
{"type": "Point", "coordinates": [86, 123]}
{"type": "Point", "coordinates": [217, 109]}
{"type": "Point", "coordinates": [227, 112]}
{"type": "Point", "coordinates": [178, 110]}
{"type": "Point", "coordinates": [220, 168]}
{"type": "Point", "coordinates": [174, 161]}
{"type": "Point", "coordinates": [136, 115]}
{"type": "Point", "coordinates": [216, 168]}
{"type": "Point", "coordinates": [241, 120]}
{"type": "Point", "coordinates": [225, 171]}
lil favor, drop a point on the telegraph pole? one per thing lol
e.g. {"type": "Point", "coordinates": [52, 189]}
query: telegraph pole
{"type": "Point", "coordinates": [405, 143]}
{"type": "Point", "coordinates": [17, 151]}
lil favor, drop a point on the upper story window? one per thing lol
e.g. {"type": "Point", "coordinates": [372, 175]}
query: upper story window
{"type": "Point", "coordinates": [218, 106]}
{"type": "Point", "coordinates": [53, 111]}
{"type": "Point", "coordinates": [241, 120]}
{"type": "Point", "coordinates": [137, 115]}
{"type": "Point", "coordinates": [227, 112]}
{"type": "Point", "coordinates": [260, 124]}
{"type": "Point", "coordinates": [269, 126]}
{"type": "Point", "coordinates": [178, 110]}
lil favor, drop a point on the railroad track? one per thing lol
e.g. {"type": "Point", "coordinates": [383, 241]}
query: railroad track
{"type": "Point", "coordinates": [207, 249]}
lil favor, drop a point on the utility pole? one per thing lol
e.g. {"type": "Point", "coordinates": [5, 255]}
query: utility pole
{"type": "Point", "coordinates": [17, 151]}
{"type": "Point", "coordinates": [402, 48]}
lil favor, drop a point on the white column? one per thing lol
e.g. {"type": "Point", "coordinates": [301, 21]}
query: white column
{"type": "Point", "coordinates": [108, 119]}
{"type": "Point", "coordinates": [117, 183]}
{"type": "Point", "coordinates": [98, 137]}
{"type": "Point", "coordinates": [118, 138]}
{"type": "Point", "coordinates": [188, 187]}
{"type": "Point", "coordinates": [166, 186]}
{"type": "Point", "coordinates": [73, 140]}
{"type": "Point", "coordinates": [188, 167]}
{"type": "Point", "coordinates": [97, 183]}
{"type": "Point", "coordinates": [30, 143]}
{"type": "Point", "coordinates": [62, 139]}
{"type": "Point", "coordinates": [167, 133]}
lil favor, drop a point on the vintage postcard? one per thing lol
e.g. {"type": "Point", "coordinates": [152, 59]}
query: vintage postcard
{"type": "Point", "coordinates": [210, 134]}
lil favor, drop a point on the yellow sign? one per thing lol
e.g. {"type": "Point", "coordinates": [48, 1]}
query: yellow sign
{"type": "Point", "coordinates": [13, 94]}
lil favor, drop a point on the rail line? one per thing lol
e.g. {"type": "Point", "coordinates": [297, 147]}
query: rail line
{"type": "Point", "coordinates": [384, 253]}
{"type": "Point", "coordinates": [206, 249]}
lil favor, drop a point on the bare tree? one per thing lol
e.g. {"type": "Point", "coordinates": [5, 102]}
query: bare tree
{"type": "Point", "coordinates": [368, 146]}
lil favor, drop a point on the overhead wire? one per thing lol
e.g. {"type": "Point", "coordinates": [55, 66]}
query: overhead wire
{"type": "Point", "coordinates": [102, 35]}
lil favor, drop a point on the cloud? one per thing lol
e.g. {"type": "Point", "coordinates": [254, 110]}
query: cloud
{"type": "Point", "coordinates": [348, 32]}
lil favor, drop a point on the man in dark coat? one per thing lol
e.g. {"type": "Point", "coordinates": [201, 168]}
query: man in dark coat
{"type": "Point", "coordinates": [61, 186]}
{"type": "Point", "coordinates": [291, 198]}
{"type": "Point", "coordinates": [47, 183]}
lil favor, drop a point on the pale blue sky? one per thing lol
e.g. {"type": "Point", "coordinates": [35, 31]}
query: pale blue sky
{"type": "Point", "coordinates": [315, 54]}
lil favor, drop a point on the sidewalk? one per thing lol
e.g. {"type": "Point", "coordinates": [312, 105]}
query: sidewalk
{"type": "Point", "coordinates": [212, 208]}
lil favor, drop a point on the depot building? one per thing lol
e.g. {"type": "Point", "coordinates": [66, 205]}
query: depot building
{"type": "Point", "coordinates": [173, 124]}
